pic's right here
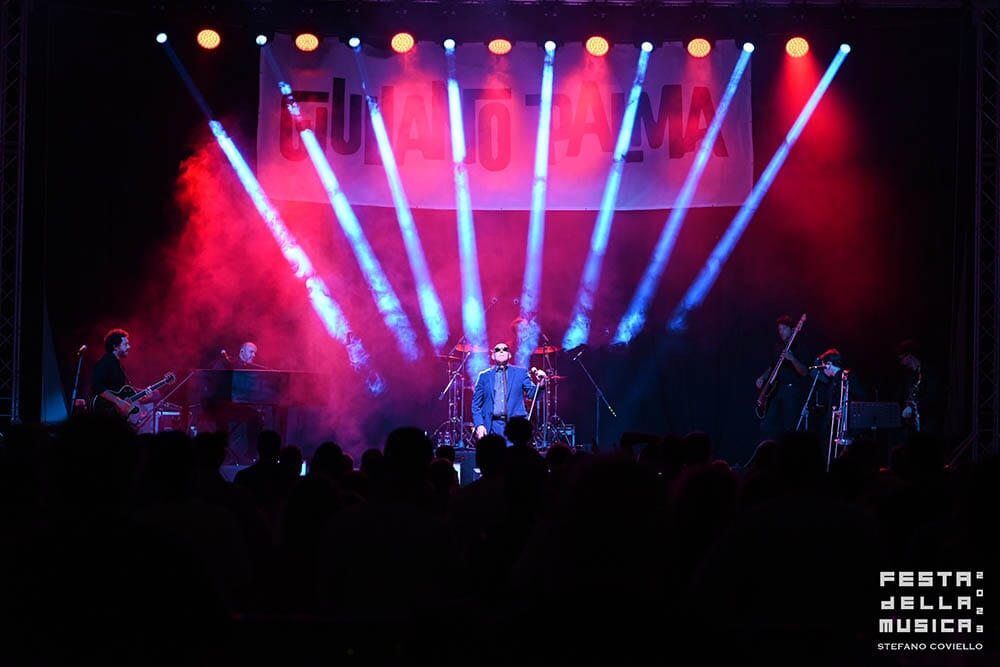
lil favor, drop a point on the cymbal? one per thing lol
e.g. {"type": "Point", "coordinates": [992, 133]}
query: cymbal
{"type": "Point", "coordinates": [467, 347]}
{"type": "Point", "coordinates": [449, 357]}
{"type": "Point", "coordinates": [547, 349]}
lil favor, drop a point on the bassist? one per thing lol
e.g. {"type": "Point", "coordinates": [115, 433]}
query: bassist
{"type": "Point", "coordinates": [785, 405]}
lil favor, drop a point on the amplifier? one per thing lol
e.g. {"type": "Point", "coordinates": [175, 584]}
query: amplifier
{"type": "Point", "coordinates": [872, 415]}
{"type": "Point", "coordinates": [566, 434]}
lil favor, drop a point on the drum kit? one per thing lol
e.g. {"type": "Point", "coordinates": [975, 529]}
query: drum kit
{"type": "Point", "coordinates": [457, 431]}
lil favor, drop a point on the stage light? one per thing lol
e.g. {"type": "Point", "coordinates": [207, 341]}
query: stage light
{"type": "Point", "coordinates": [797, 47]}
{"type": "Point", "coordinates": [326, 308]}
{"type": "Point", "coordinates": [646, 46]}
{"type": "Point", "coordinates": [699, 47]}
{"type": "Point", "coordinates": [402, 42]}
{"type": "Point", "coordinates": [448, 44]}
{"type": "Point", "coordinates": [261, 39]}
{"type": "Point", "coordinates": [579, 327]}
{"type": "Point", "coordinates": [748, 47]}
{"type": "Point", "coordinates": [161, 38]}
{"type": "Point", "coordinates": [597, 46]}
{"type": "Point", "coordinates": [845, 48]}
{"type": "Point", "coordinates": [499, 46]}
{"type": "Point", "coordinates": [208, 39]}
{"type": "Point", "coordinates": [550, 46]}
{"type": "Point", "coordinates": [354, 42]}
{"type": "Point", "coordinates": [635, 317]}
{"type": "Point", "coordinates": [473, 312]}
{"type": "Point", "coordinates": [713, 265]}
{"type": "Point", "coordinates": [306, 42]}
{"type": "Point", "coordinates": [385, 297]}
{"type": "Point", "coordinates": [527, 336]}
{"type": "Point", "coordinates": [430, 304]}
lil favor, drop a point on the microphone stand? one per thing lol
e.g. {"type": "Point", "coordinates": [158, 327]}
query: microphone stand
{"type": "Point", "coordinates": [534, 397]}
{"type": "Point", "coordinates": [455, 374]}
{"type": "Point", "coordinates": [76, 382]}
{"type": "Point", "coordinates": [156, 406]}
{"type": "Point", "coordinates": [600, 396]}
{"type": "Point", "coordinates": [804, 415]}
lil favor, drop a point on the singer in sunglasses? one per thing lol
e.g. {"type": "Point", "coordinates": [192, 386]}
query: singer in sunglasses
{"type": "Point", "coordinates": [500, 392]}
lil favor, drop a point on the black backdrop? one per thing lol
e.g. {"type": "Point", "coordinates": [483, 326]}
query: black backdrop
{"type": "Point", "coordinates": [872, 239]}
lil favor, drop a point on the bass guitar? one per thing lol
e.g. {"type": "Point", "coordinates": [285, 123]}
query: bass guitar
{"type": "Point", "coordinates": [768, 388]}
{"type": "Point", "coordinates": [102, 406]}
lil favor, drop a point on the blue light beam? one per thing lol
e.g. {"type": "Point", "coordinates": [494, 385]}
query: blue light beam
{"type": "Point", "coordinates": [473, 315]}
{"type": "Point", "coordinates": [709, 273]}
{"type": "Point", "coordinates": [328, 310]}
{"type": "Point", "coordinates": [531, 289]}
{"type": "Point", "coordinates": [635, 317]}
{"type": "Point", "coordinates": [427, 296]}
{"type": "Point", "coordinates": [579, 328]}
{"type": "Point", "coordinates": [386, 301]}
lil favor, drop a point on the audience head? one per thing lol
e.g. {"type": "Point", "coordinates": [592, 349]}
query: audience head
{"type": "Point", "coordinates": [519, 431]}
{"type": "Point", "coordinates": [372, 462]}
{"type": "Point", "coordinates": [559, 453]}
{"type": "Point", "coordinates": [326, 459]}
{"type": "Point", "coordinates": [490, 453]}
{"type": "Point", "coordinates": [408, 451]}
{"type": "Point", "coordinates": [268, 446]}
{"type": "Point", "coordinates": [290, 459]}
{"type": "Point", "coordinates": [697, 448]}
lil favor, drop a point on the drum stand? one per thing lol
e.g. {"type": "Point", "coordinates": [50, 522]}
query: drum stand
{"type": "Point", "coordinates": [551, 428]}
{"type": "Point", "coordinates": [452, 430]}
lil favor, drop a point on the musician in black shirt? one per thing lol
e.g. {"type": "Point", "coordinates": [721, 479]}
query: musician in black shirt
{"type": "Point", "coordinates": [109, 375]}
{"type": "Point", "coordinates": [785, 406]}
{"type": "Point", "coordinates": [919, 392]}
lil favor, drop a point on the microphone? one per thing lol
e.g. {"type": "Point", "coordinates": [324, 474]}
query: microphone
{"type": "Point", "coordinates": [817, 368]}
{"type": "Point", "coordinates": [538, 372]}
{"type": "Point", "coordinates": [83, 348]}
{"type": "Point", "coordinates": [225, 355]}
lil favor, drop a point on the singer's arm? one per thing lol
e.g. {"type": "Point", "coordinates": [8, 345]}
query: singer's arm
{"type": "Point", "coordinates": [530, 387]}
{"type": "Point", "coordinates": [479, 406]}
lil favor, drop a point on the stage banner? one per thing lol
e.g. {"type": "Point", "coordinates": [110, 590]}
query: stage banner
{"type": "Point", "coordinates": [500, 104]}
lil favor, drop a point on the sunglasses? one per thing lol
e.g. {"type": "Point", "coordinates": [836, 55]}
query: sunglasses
{"type": "Point", "coordinates": [501, 348]}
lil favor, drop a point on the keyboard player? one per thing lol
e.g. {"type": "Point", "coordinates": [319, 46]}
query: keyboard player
{"type": "Point", "coordinates": [242, 422]}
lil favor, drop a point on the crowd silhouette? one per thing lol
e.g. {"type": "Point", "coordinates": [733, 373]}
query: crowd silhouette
{"type": "Point", "coordinates": [134, 549]}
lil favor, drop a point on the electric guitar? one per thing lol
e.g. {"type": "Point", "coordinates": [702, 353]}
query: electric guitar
{"type": "Point", "coordinates": [769, 387]}
{"type": "Point", "coordinates": [102, 406]}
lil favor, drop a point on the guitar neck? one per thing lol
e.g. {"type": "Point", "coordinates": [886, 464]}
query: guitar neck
{"type": "Point", "coordinates": [148, 390]}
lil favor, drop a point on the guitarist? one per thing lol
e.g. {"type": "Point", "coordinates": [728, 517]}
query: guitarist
{"type": "Point", "coordinates": [786, 403]}
{"type": "Point", "coordinates": [109, 375]}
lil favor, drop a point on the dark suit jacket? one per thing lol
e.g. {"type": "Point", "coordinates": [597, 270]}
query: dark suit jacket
{"type": "Point", "coordinates": [482, 398]}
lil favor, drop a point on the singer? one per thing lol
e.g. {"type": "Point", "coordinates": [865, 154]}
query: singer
{"type": "Point", "coordinates": [495, 400]}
